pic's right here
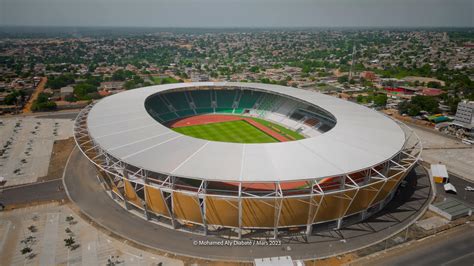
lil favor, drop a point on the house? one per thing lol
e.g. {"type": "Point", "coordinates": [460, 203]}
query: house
{"type": "Point", "coordinates": [368, 75]}
{"type": "Point", "coordinates": [112, 85]}
{"type": "Point", "coordinates": [431, 92]}
{"type": "Point", "coordinates": [66, 92]}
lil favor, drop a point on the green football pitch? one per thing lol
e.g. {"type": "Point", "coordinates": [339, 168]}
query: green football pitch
{"type": "Point", "coordinates": [237, 131]}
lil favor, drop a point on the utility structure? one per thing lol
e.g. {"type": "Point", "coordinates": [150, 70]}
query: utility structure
{"type": "Point", "coordinates": [352, 62]}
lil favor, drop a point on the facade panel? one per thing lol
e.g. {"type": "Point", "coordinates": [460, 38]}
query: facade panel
{"type": "Point", "coordinates": [130, 193]}
{"type": "Point", "coordinates": [334, 205]}
{"type": "Point", "coordinates": [389, 186]}
{"type": "Point", "coordinates": [186, 207]}
{"type": "Point", "coordinates": [294, 211]}
{"type": "Point", "coordinates": [364, 197]}
{"type": "Point", "coordinates": [258, 212]}
{"type": "Point", "coordinates": [222, 211]}
{"type": "Point", "coordinates": [154, 201]}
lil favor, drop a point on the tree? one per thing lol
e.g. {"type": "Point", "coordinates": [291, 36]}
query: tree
{"type": "Point", "coordinates": [343, 79]}
{"type": "Point", "coordinates": [42, 103]}
{"type": "Point", "coordinates": [434, 84]}
{"type": "Point", "coordinates": [56, 83]}
{"type": "Point", "coordinates": [380, 100]}
{"type": "Point", "coordinates": [128, 85]}
{"type": "Point", "coordinates": [427, 103]}
{"type": "Point", "coordinates": [15, 97]}
{"type": "Point", "coordinates": [403, 107]}
{"type": "Point", "coordinates": [69, 242]}
{"type": "Point", "coordinates": [122, 75]}
{"type": "Point", "coordinates": [43, 106]}
{"type": "Point", "coordinates": [83, 91]}
{"type": "Point", "coordinates": [254, 69]}
{"type": "Point", "coordinates": [413, 110]}
{"type": "Point", "coordinates": [26, 250]}
{"type": "Point", "coordinates": [11, 98]}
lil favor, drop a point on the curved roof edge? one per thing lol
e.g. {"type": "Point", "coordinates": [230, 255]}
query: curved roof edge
{"type": "Point", "coordinates": [362, 138]}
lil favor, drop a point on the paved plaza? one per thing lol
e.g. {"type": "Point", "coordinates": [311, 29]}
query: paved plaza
{"type": "Point", "coordinates": [43, 229]}
{"type": "Point", "coordinates": [439, 148]}
{"type": "Point", "coordinates": [26, 145]}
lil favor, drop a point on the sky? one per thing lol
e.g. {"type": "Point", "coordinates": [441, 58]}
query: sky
{"type": "Point", "coordinates": [238, 13]}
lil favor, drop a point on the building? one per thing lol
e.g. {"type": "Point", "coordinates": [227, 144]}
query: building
{"type": "Point", "coordinates": [422, 80]}
{"type": "Point", "coordinates": [66, 92]}
{"type": "Point", "coordinates": [111, 85]}
{"type": "Point", "coordinates": [368, 75]}
{"type": "Point", "coordinates": [199, 77]}
{"type": "Point", "coordinates": [463, 125]}
{"type": "Point", "coordinates": [405, 90]}
{"type": "Point", "coordinates": [439, 173]}
{"type": "Point", "coordinates": [430, 92]}
{"type": "Point", "coordinates": [401, 90]}
{"type": "Point", "coordinates": [465, 113]}
{"type": "Point", "coordinates": [346, 169]}
{"type": "Point", "coordinates": [275, 261]}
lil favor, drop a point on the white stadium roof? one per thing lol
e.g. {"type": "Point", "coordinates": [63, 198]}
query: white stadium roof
{"type": "Point", "coordinates": [361, 138]}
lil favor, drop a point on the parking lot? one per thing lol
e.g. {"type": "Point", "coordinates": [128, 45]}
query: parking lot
{"type": "Point", "coordinates": [26, 145]}
{"type": "Point", "coordinates": [438, 148]}
{"type": "Point", "coordinates": [43, 229]}
{"type": "Point", "coordinates": [460, 184]}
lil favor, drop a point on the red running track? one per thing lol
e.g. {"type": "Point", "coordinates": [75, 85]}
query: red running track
{"type": "Point", "coordinates": [203, 119]}
{"type": "Point", "coordinates": [266, 130]}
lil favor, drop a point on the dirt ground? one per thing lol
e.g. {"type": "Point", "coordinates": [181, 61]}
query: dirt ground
{"type": "Point", "coordinates": [59, 156]}
{"type": "Point", "coordinates": [334, 261]}
{"type": "Point", "coordinates": [34, 96]}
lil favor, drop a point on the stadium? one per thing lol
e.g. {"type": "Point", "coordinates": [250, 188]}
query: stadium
{"type": "Point", "coordinates": [245, 159]}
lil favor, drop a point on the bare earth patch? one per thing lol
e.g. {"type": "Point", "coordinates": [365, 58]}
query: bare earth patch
{"type": "Point", "coordinates": [59, 156]}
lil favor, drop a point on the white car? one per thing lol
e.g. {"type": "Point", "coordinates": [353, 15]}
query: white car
{"type": "Point", "coordinates": [469, 188]}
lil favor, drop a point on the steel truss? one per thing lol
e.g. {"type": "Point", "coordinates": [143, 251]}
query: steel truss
{"type": "Point", "coordinates": [115, 174]}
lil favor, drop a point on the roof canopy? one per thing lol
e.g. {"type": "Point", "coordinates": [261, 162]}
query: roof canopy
{"type": "Point", "coordinates": [362, 138]}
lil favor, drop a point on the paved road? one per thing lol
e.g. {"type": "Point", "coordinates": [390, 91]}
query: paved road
{"type": "Point", "coordinates": [454, 248]}
{"type": "Point", "coordinates": [64, 114]}
{"type": "Point", "coordinates": [23, 194]}
{"type": "Point", "coordinates": [85, 191]}
{"type": "Point", "coordinates": [60, 115]}
{"type": "Point", "coordinates": [460, 184]}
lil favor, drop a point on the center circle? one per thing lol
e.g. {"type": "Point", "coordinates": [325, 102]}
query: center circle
{"type": "Point", "coordinates": [238, 115]}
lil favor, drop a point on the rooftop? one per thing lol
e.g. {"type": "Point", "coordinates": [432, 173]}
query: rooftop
{"type": "Point", "coordinates": [362, 138]}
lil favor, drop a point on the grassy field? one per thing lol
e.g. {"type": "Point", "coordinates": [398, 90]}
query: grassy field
{"type": "Point", "coordinates": [232, 131]}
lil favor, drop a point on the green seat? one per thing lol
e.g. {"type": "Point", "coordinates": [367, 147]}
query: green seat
{"type": "Point", "coordinates": [249, 98]}
{"type": "Point", "coordinates": [184, 113]}
{"type": "Point", "coordinates": [178, 100]}
{"type": "Point", "coordinates": [224, 110]}
{"type": "Point", "coordinates": [225, 98]}
{"type": "Point", "coordinates": [202, 98]}
{"type": "Point", "coordinates": [156, 104]}
{"type": "Point", "coordinates": [204, 110]}
{"type": "Point", "coordinates": [168, 117]}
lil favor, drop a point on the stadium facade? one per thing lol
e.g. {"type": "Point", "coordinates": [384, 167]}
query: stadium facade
{"type": "Point", "coordinates": [347, 168]}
